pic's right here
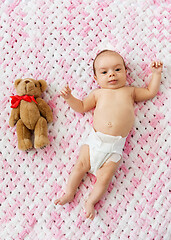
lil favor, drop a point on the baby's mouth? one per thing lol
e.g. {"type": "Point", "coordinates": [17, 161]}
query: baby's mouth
{"type": "Point", "coordinates": [113, 81]}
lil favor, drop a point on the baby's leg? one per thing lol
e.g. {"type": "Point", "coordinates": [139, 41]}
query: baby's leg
{"type": "Point", "coordinates": [81, 167]}
{"type": "Point", "coordinates": [104, 176]}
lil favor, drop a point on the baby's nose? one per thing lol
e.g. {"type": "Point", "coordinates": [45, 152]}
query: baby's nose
{"type": "Point", "coordinates": [112, 73]}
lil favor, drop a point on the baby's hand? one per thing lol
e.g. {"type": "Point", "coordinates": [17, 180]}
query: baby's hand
{"type": "Point", "coordinates": [156, 67]}
{"type": "Point", "coordinates": [66, 92]}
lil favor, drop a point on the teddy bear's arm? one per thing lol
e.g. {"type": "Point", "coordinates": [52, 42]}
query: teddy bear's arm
{"type": "Point", "coordinates": [44, 109]}
{"type": "Point", "coordinates": [15, 116]}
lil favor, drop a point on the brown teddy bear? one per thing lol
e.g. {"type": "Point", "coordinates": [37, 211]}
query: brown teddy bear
{"type": "Point", "coordinates": [30, 113]}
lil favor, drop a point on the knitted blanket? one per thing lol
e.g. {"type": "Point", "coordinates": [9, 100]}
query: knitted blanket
{"type": "Point", "coordinates": [57, 41]}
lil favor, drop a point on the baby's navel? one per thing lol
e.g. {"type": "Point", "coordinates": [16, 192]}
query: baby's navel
{"type": "Point", "coordinates": [109, 124]}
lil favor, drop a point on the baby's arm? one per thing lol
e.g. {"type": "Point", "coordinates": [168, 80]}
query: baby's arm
{"type": "Point", "coordinates": [79, 106]}
{"type": "Point", "coordinates": [143, 94]}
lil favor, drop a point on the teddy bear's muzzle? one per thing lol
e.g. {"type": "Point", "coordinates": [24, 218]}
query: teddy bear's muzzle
{"type": "Point", "coordinates": [29, 87]}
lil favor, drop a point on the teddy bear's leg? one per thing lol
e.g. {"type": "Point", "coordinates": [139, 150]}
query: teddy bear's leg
{"type": "Point", "coordinates": [41, 137]}
{"type": "Point", "coordinates": [24, 136]}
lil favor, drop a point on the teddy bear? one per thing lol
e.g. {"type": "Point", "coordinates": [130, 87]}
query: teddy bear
{"type": "Point", "coordinates": [30, 113]}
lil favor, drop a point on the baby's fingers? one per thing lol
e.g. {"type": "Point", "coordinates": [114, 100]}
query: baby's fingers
{"type": "Point", "coordinates": [65, 92]}
{"type": "Point", "coordinates": [156, 64]}
{"type": "Point", "coordinates": [156, 67]}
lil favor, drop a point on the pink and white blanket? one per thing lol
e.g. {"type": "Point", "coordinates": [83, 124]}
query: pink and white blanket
{"type": "Point", "coordinates": [57, 41]}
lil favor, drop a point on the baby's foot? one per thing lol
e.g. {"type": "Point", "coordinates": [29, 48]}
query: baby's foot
{"type": "Point", "coordinates": [64, 199]}
{"type": "Point", "coordinates": [90, 211]}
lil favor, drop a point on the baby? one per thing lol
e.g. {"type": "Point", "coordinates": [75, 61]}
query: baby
{"type": "Point", "coordinates": [113, 119]}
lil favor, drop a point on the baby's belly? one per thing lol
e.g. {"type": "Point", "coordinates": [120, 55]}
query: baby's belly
{"type": "Point", "coordinates": [114, 126]}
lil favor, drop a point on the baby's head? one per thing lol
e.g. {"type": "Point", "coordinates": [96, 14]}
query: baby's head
{"type": "Point", "coordinates": [109, 69]}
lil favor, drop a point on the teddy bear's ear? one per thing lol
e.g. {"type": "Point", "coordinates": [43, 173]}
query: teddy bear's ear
{"type": "Point", "coordinates": [17, 82]}
{"type": "Point", "coordinates": [43, 85]}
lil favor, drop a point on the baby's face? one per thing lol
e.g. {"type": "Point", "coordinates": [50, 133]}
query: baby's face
{"type": "Point", "coordinates": [110, 71]}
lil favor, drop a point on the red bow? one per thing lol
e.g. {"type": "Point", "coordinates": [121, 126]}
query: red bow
{"type": "Point", "coordinates": [15, 101]}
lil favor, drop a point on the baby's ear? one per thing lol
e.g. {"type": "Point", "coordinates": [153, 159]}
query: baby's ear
{"type": "Point", "coordinates": [43, 85]}
{"type": "Point", "coordinates": [17, 81]}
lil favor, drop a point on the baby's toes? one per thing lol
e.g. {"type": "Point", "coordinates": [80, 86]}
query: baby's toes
{"type": "Point", "coordinates": [57, 201]}
{"type": "Point", "coordinates": [91, 216]}
{"type": "Point", "coordinates": [90, 211]}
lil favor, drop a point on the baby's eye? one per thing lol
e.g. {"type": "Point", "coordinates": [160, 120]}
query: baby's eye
{"type": "Point", "coordinates": [118, 69]}
{"type": "Point", "coordinates": [104, 72]}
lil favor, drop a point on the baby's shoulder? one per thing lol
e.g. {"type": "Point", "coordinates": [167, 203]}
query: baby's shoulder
{"type": "Point", "coordinates": [95, 91]}
{"type": "Point", "coordinates": [129, 92]}
{"type": "Point", "coordinates": [128, 89]}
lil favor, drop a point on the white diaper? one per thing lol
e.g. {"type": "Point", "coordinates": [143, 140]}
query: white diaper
{"type": "Point", "coordinates": [104, 148]}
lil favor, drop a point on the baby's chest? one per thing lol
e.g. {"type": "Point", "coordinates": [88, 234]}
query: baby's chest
{"type": "Point", "coordinates": [115, 100]}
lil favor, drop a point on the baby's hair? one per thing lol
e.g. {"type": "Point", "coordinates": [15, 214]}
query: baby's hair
{"type": "Point", "coordinates": [106, 50]}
